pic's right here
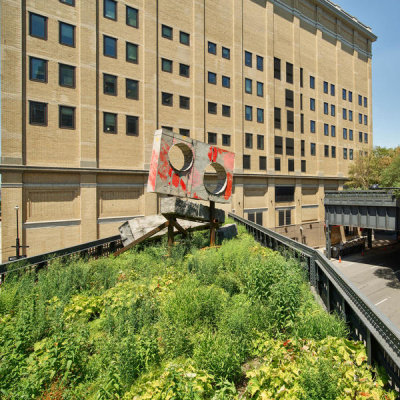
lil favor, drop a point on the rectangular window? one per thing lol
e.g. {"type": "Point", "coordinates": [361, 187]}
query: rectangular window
{"type": "Point", "coordinates": [168, 128]}
{"type": "Point", "coordinates": [184, 70]}
{"type": "Point", "coordinates": [212, 78]}
{"type": "Point", "coordinates": [344, 153]}
{"type": "Point", "coordinates": [290, 165]}
{"type": "Point", "coordinates": [277, 118]}
{"type": "Point", "coordinates": [110, 84]}
{"type": "Point", "coordinates": [248, 85]}
{"type": "Point", "coordinates": [248, 140]}
{"type": "Point", "coordinates": [360, 137]}
{"type": "Point", "coordinates": [351, 154]}
{"type": "Point", "coordinates": [312, 82]}
{"type": "Point", "coordinates": [326, 108]}
{"type": "Point", "coordinates": [260, 115]}
{"type": "Point", "coordinates": [212, 107]}
{"type": "Point", "coordinates": [248, 59]}
{"type": "Point", "coordinates": [184, 102]}
{"type": "Point", "coordinates": [38, 26]}
{"type": "Point", "coordinates": [290, 120]}
{"type": "Point", "coordinates": [289, 72]}
{"type": "Point", "coordinates": [184, 132]}
{"type": "Point", "coordinates": [68, 2]}
{"type": "Point", "coordinates": [212, 138]}
{"type": "Point", "coordinates": [131, 52]}
{"type": "Point", "coordinates": [332, 89]}
{"type": "Point", "coordinates": [289, 98]}
{"type": "Point", "coordinates": [260, 142]}
{"type": "Point", "coordinates": [333, 110]}
{"type": "Point", "coordinates": [302, 148]}
{"type": "Point", "coordinates": [250, 217]}
{"type": "Point", "coordinates": [359, 100]}
{"type": "Point", "coordinates": [109, 122]}
{"type": "Point", "coordinates": [301, 123]}
{"type": "Point", "coordinates": [132, 89]}
{"type": "Point", "coordinates": [226, 110]}
{"type": "Point", "coordinates": [326, 151]}
{"type": "Point", "coordinates": [333, 151]}
{"type": "Point", "coordinates": [333, 130]}
{"type": "Point", "coordinates": [344, 113]}
{"type": "Point", "coordinates": [262, 164]}
{"type": "Point", "coordinates": [365, 137]}
{"type": "Point", "coordinates": [110, 9]}
{"type": "Point", "coordinates": [66, 117]}
{"type": "Point", "coordinates": [289, 146]}
{"type": "Point", "coordinates": [344, 133]}
{"type": "Point", "coordinates": [212, 48]}
{"type": "Point", "coordinates": [226, 53]}
{"type": "Point", "coordinates": [37, 69]}
{"type": "Point", "coordinates": [278, 145]}
{"type": "Point", "coordinates": [132, 17]}
{"type": "Point", "coordinates": [284, 217]}
{"type": "Point", "coordinates": [365, 120]}
{"type": "Point", "coordinates": [350, 134]}
{"type": "Point", "coordinates": [303, 166]}
{"type": "Point", "coordinates": [260, 63]}
{"type": "Point", "coordinates": [132, 125]}
{"type": "Point", "coordinates": [109, 46]}
{"type": "Point", "coordinates": [166, 32]}
{"type": "Point", "coordinates": [301, 101]}
{"type": "Point", "coordinates": [284, 194]}
{"type": "Point", "coordinates": [301, 77]}
{"type": "Point", "coordinates": [312, 104]}
{"type": "Point", "coordinates": [350, 115]}
{"type": "Point", "coordinates": [167, 99]}
{"type": "Point", "coordinates": [360, 118]}
{"type": "Point", "coordinates": [66, 34]}
{"type": "Point", "coordinates": [37, 113]}
{"type": "Point", "coordinates": [248, 114]}
{"type": "Point", "coordinates": [344, 94]}
{"type": "Point", "coordinates": [66, 75]}
{"type": "Point", "coordinates": [277, 68]}
{"type": "Point", "coordinates": [246, 162]}
{"type": "Point", "coordinates": [277, 164]}
{"type": "Point", "coordinates": [312, 149]}
{"type": "Point", "coordinates": [365, 102]}
{"type": "Point", "coordinates": [312, 126]}
{"type": "Point", "coordinates": [260, 89]}
{"type": "Point", "coordinates": [326, 129]}
{"type": "Point", "coordinates": [326, 87]}
{"type": "Point", "coordinates": [166, 65]}
{"type": "Point", "coordinates": [350, 96]}
{"type": "Point", "coordinates": [184, 38]}
{"type": "Point", "coordinates": [226, 140]}
{"type": "Point", "coordinates": [226, 81]}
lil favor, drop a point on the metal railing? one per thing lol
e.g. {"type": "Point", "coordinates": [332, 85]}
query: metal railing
{"type": "Point", "coordinates": [365, 321]}
{"type": "Point", "coordinates": [94, 249]}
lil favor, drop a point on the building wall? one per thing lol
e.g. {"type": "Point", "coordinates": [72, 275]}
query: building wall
{"type": "Point", "coordinates": [76, 185]}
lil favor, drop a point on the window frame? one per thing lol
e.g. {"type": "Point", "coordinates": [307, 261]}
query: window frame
{"type": "Point", "coordinates": [260, 63]}
{"type": "Point", "coordinates": [128, 80]}
{"type": "Point", "coordinates": [289, 72]}
{"type": "Point", "coordinates": [45, 110]}
{"type": "Point", "coordinates": [115, 10]}
{"type": "Point", "coordinates": [115, 77]}
{"type": "Point", "coordinates": [250, 108]}
{"type": "Point", "coordinates": [184, 99]}
{"type": "Point", "coordinates": [262, 163]}
{"type": "Point", "coordinates": [180, 70]}
{"type": "Point", "coordinates": [45, 19]}
{"type": "Point", "coordinates": [211, 48]}
{"type": "Point", "coordinates": [212, 135]}
{"type": "Point", "coordinates": [226, 107]}
{"type": "Point", "coordinates": [137, 16]}
{"type": "Point", "coordinates": [211, 105]}
{"type": "Point", "coordinates": [60, 25]}
{"type": "Point", "coordinates": [260, 115]}
{"type": "Point", "coordinates": [60, 107]}
{"type": "Point", "coordinates": [105, 113]}
{"type": "Point", "coordinates": [226, 138]}
{"type": "Point", "coordinates": [226, 79]}
{"type": "Point", "coordinates": [127, 45]}
{"type": "Point", "coordinates": [167, 27]}
{"type": "Point", "coordinates": [224, 50]}
{"type": "Point", "coordinates": [248, 59]}
{"type": "Point", "coordinates": [163, 97]}
{"type": "Point", "coordinates": [211, 74]}
{"type": "Point", "coordinates": [72, 4]}
{"type": "Point", "coordinates": [115, 41]}
{"type": "Point", "coordinates": [277, 68]}
{"type": "Point", "coordinates": [260, 142]}
{"type": "Point", "coordinates": [246, 161]}
{"type": "Point", "coordinates": [45, 70]}
{"type": "Point", "coordinates": [136, 118]}
{"type": "Point", "coordinates": [260, 93]}
{"type": "Point", "coordinates": [60, 65]}
{"type": "Point", "coordinates": [166, 61]}
{"type": "Point", "coordinates": [312, 82]}
{"type": "Point", "coordinates": [182, 34]}
{"type": "Point", "coordinates": [248, 140]}
{"type": "Point", "coordinates": [250, 82]}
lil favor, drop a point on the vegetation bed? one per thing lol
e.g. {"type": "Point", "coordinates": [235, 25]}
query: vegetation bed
{"type": "Point", "coordinates": [237, 321]}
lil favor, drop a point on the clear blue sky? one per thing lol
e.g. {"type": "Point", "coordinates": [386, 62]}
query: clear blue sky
{"type": "Point", "coordinates": [383, 17]}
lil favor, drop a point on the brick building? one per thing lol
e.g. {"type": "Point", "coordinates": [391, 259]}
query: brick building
{"type": "Point", "coordinates": [285, 84]}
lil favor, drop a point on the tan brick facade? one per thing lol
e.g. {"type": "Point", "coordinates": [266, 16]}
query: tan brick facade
{"type": "Point", "coordinates": [75, 181]}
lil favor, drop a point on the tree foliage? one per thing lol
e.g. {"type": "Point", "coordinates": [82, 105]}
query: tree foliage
{"type": "Point", "coordinates": [379, 167]}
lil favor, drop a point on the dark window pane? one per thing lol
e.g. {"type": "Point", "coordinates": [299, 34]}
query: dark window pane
{"type": "Point", "coordinates": [132, 89]}
{"type": "Point", "coordinates": [184, 132]}
{"type": "Point", "coordinates": [131, 52]}
{"type": "Point", "coordinates": [263, 163]}
{"type": "Point", "coordinates": [333, 151]}
{"type": "Point", "coordinates": [37, 26]}
{"type": "Point", "coordinates": [67, 117]}
{"type": "Point", "coordinates": [260, 63]}
{"type": "Point", "coordinates": [166, 32]}
{"type": "Point", "coordinates": [290, 120]}
{"type": "Point", "coordinates": [301, 123]}
{"type": "Point", "coordinates": [278, 145]}
{"type": "Point", "coordinates": [67, 34]}
{"type": "Point", "coordinates": [37, 69]}
{"type": "Point", "coordinates": [248, 113]}
{"type": "Point", "coordinates": [249, 140]}
{"type": "Point", "coordinates": [312, 82]}
{"type": "Point", "coordinates": [303, 166]}
{"type": "Point", "coordinates": [277, 68]}
{"type": "Point", "coordinates": [184, 38]}
{"type": "Point", "coordinates": [277, 118]}
{"type": "Point", "coordinates": [277, 164]}
{"type": "Point", "coordinates": [69, 2]}
{"type": "Point", "coordinates": [226, 53]}
{"type": "Point", "coordinates": [284, 194]}
{"type": "Point", "coordinates": [226, 110]}
{"type": "Point", "coordinates": [332, 89]}
{"type": "Point", "coordinates": [260, 142]}
{"type": "Point", "coordinates": [260, 115]}
{"type": "Point", "coordinates": [259, 219]}
{"type": "Point", "coordinates": [246, 162]}
{"type": "Point", "coordinates": [351, 97]}
{"type": "Point", "coordinates": [281, 218]}
{"type": "Point", "coordinates": [212, 138]}
{"type": "Point", "coordinates": [301, 77]}
{"type": "Point", "coordinates": [67, 75]}
{"type": "Point", "coordinates": [184, 102]}
{"type": "Point", "coordinates": [288, 217]}
{"type": "Point", "coordinates": [212, 78]}
{"type": "Point", "coordinates": [312, 149]}
{"type": "Point", "coordinates": [37, 113]}
{"type": "Point", "coordinates": [167, 99]}
{"type": "Point", "coordinates": [110, 9]}
{"type": "Point", "coordinates": [289, 72]}
{"type": "Point", "coordinates": [212, 48]}
{"type": "Point", "coordinates": [110, 46]}
{"type": "Point", "coordinates": [250, 217]}
{"type": "Point", "coordinates": [312, 126]}
{"type": "Point", "coordinates": [132, 17]}
{"type": "Point", "coordinates": [110, 84]}
{"type": "Point", "coordinates": [110, 122]}
{"type": "Point", "coordinates": [184, 70]}
{"type": "Point", "coordinates": [248, 85]}
{"type": "Point", "coordinates": [289, 98]}
{"type": "Point", "coordinates": [248, 58]}
{"type": "Point", "coordinates": [291, 165]}
{"type": "Point", "coordinates": [260, 89]}
{"type": "Point", "coordinates": [226, 140]}
{"type": "Point", "coordinates": [302, 148]}
{"type": "Point", "coordinates": [326, 151]}
{"type": "Point", "coordinates": [212, 108]}
{"type": "Point", "coordinates": [226, 81]}
{"type": "Point", "coordinates": [289, 146]}
{"type": "Point", "coordinates": [166, 65]}
{"type": "Point", "coordinates": [132, 125]}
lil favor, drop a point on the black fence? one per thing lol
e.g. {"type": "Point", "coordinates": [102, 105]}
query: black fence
{"type": "Point", "coordinates": [95, 249]}
{"type": "Point", "coordinates": [366, 322]}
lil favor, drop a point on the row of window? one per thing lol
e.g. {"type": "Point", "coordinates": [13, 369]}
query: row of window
{"type": "Point", "coordinates": [110, 11]}
{"type": "Point", "coordinates": [277, 163]}
{"type": "Point", "coordinates": [262, 162]}
{"type": "Point", "coordinates": [212, 138]}
{"type": "Point", "coordinates": [167, 66]}
{"type": "Point", "coordinates": [38, 115]}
